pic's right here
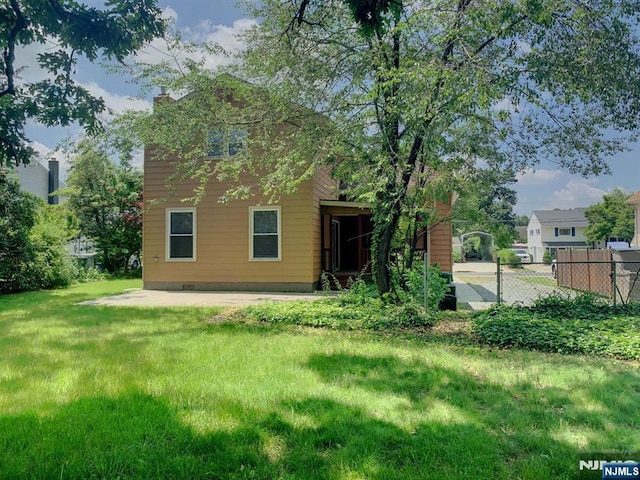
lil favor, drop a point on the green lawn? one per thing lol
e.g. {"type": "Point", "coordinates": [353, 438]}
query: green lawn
{"type": "Point", "coordinates": [128, 393]}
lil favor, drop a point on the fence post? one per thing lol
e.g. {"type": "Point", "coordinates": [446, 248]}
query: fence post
{"type": "Point", "coordinates": [426, 281]}
{"type": "Point", "coordinates": [614, 282]}
{"type": "Point", "coordinates": [499, 282]}
{"type": "Point", "coordinates": [571, 269]}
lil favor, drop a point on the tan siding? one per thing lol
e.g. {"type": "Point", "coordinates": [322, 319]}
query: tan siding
{"type": "Point", "coordinates": [440, 239]}
{"type": "Point", "coordinates": [222, 240]}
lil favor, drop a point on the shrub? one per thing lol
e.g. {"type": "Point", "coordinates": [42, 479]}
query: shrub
{"type": "Point", "coordinates": [91, 274]}
{"type": "Point", "coordinates": [583, 325]}
{"type": "Point", "coordinates": [507, 257]}
{"type": "Point", "coordinates": [413, 283]}
{"type": "Point", "coordinates": [33, 243]}
{"type": "Point", "coordinates": [358, 308]}
{"type": "Point", "coordinates": [546, 257]}
{"type": "Point", "coordinates": [457, 256]}
{"type": "Point", "coordinates": [51, 258]}
{"type": "Point", "coordinates": [472, 244]}
{"type": "Point", "coordinates": [17, 218]}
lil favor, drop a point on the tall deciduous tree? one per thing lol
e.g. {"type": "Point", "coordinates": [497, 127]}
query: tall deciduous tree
{"type": "Point", "coordinates": [486, 204]}
{"type": "Point", "coordinates": [107, 199]}
{"type": "Point", "coordinates": [70, 30]}
{"type": "Point", "coordinates": [611, 218]}
{"type": "Point", "coordinates": [427, 84]}
{"type": "Point", "coordinates": [417, 91]}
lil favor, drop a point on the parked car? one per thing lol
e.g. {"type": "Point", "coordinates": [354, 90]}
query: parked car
{"type": "Point", "coordinates": [472, 254]}
{"type": "Point", "coordinates": [554, 268]}
{"type": "Point", "coordinates": [523, 255]}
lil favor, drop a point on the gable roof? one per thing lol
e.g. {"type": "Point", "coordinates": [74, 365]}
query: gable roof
{"type": "Point", "coordinates": [558, 218]}
{"type": "Point", "coordinates": [633, 199]}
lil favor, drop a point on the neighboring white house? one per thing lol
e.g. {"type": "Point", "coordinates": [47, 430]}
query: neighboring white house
{"type": "Point", "coordinates": [40, 180]}
{"type": "Point", "coordinates": [554, 230]}
{"type": "Point", "coordinates": [634, 201]}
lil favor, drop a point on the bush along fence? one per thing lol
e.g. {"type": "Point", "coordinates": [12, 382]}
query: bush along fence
{"type": "Point", "coordinates": [612, 275]}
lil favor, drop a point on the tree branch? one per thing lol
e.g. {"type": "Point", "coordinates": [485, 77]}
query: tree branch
{"type": "Point", "coordinates": [10, 50]}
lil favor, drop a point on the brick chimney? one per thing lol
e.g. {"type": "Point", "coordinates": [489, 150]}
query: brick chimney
{"type": "Point", "coordinates": [163, 97]}
{"type": "Point", "coordinates": [54, 180]}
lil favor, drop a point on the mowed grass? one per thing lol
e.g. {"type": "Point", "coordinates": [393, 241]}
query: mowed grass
{"type": "Point", "coordinates": [163, 393]}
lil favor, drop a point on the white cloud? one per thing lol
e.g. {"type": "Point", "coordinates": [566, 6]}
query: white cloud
{"type": "Point", "coordinates": [44, 154]}
{"type": "Point", "coordinates": [541, 176]}
{"type": "Point", "coordinates": [170, 14]}
{"type": "Point", "coordinates": [228, 37]}
{"type": "Point", "coordinates": [117, 103]}
{"type": "Point", "coordinates": [225, 41]}
{"type": "Point", "coordinates": [578, 193]}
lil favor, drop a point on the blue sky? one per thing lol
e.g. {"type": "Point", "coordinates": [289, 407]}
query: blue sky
{"type": "Point", "coordinates": [545, 188]}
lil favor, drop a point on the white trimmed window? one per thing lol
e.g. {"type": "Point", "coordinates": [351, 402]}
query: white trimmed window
{"type": "Point", "coordinates": [181, 234]}
{"type": "Point", "coordinates": [265, 233]}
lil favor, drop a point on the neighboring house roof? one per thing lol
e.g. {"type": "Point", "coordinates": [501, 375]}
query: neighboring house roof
{"type": "Point", "coordinates": [634, 199]}
{"type": "Point", "coordinates": [558, 218]}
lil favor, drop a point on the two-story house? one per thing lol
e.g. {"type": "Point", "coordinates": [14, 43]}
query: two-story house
{"type": "Point", "coordinates": [553, 230]}
{"type": "Point", "coordinates": [251, 244]}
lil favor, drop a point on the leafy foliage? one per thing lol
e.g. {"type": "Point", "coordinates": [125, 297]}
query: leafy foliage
{"type": "Point", "coordinates": [403, 100]}
{"type": "Point", "coordinates": [612, 218]}
{"type": "Point", "coordinates": [53, 265]}
{"type": "Point", "coordinates": [486, 204]}
{"type": "Point", "coordinates": [33, 244]}
{"type": "Point", "coordinates": [17, 218]}
{"type": "Point", "coordinates": [107, 200]}
{"type": "Point", "coordinates": [584, 324]}
{"type": "Point", "coordinates": [76, 29]}
{"type": "Point", "coordinates": [357, 308]}
{"type": "Point", "coordinates": [508, 257]}
{"type": "Point", "coordinates": [410, 286]}
{"type": "Point", "coordinates": [472, 243]}
{"type": "Point", "coordinates": [419, 89]}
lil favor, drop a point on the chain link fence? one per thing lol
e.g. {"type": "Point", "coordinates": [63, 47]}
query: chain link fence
{"type": "Point", "coordinates": [619, 282]}
{"type": "Point", "coordinates": [615, 280]}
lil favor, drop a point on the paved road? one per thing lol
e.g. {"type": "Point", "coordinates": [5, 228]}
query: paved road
{"type": "Point", "coordinates": [518, 286]}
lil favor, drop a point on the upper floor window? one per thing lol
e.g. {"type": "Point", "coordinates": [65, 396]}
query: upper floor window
{"type": "Point", "coordinates": [181, 234]}
{"type": "Point", "coordinates": [570, 232]}
{"type": "Point", "coordinates": [226, 143]}
{"type": "Point", "coordinates": [264, 229]}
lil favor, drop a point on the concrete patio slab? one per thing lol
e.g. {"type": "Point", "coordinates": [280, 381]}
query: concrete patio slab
{"type": "Point", "coordinates": [164, 298]}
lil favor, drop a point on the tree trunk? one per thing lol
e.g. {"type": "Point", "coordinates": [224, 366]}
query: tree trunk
{"type": "Point", "coordinates": [381, 243]}
{"type": "Point", "coordinates": [385, 224]}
